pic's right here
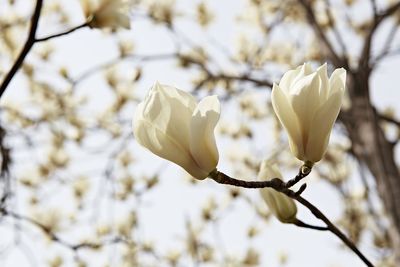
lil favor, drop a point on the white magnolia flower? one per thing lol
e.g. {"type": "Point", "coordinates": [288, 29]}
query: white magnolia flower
{"type": "Point", "coordinates": [171, 124]}
{"type": "Point", "coordinates": [282, 206]}
{"type": "Point", "coordinates": [307, 104]}
{"type": "Point", "coordinates": [107, 13]}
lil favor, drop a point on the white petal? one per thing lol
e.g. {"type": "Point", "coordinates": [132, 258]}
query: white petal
{"type": "Point", "coordinates": [288, 78]}
{"type": "Point", "coordinates": [171, 110]}
{"type": "Point", "coordinates": [306, 69]}
{"type": "Point", "coordinates": [288, 119]}
{"type": "Point", "coordinates": [161, 144]}
{"type": "Point", "coordinates": [202, 140]}
{"type": "Point", "coordinates": [321, 127]}
{"type": "Point", "coordinates": [337, 81]}
{"type": "Point", "coordinates": [324, 80]}
{"type": "Point", "coordinates": [183, 97]}
{"type": "Point", "coordinates": [305, 102]}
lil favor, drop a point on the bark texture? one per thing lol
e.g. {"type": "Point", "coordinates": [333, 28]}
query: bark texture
{"type": "Point", "coordinates": [371, 147]}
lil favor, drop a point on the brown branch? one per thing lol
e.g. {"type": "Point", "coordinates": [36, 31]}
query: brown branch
{"type": "Point", "coordinates": [210, 76]}
{"type": "Point", "coordinates": [279, 185]}
{"type": "Point", "coordinates": [332, 228]}
{"type": "Point", "coordinates": [304, 171]}
{"type": "Point", "coordinates": [309, 226]}
{"type": "Point", "coordinates": [38, 40]}
{"type": "Point", "coordinates": [25, 50]}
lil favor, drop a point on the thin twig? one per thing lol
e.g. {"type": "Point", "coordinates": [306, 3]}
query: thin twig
{"type": "Point", "coordinates": [279, 185]}
{"type": "Point", "coordinates": [25, 50]}
{"type": "Point", "coordinates": [55, 237]}
{"type": "Point", "coordinates": [309, 226]}
{"type": "Point", "coordinates": [386, 50]}
{"type": "Point", "coordinates": [332, 228]}
{"type": "Point", "coordinates": [378, 19]}
{"type": "Point", "coordinates": [38, 40]}
{"type": "Point", "coordinates": [304, 171]}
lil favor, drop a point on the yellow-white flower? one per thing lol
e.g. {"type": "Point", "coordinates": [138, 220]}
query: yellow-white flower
{"type": "Point", "coordinates": [171, 124]}
{"type": "Point", "coordinates": [282, 206]}
{"type": "Point", "coordinates": [307, 104]}
{"type": "Point", "coordinates": [107, 13]}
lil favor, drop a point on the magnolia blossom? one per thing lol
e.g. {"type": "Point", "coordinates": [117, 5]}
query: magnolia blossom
{"type": "Point", "coordinates": [282, 206]}
{"type": "Point", "coordinates": [307, 104]}
{"type": "Point", "coordinates": [171, 124]}
{"type": "Point", "coordinates": [107, 13]}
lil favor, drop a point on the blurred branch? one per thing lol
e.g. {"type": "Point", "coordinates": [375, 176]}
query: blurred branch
{"type": "Point", "coordinates": [336, 60]}
{"type": "Point", "coordinates": [139, 58]}
{"type": "Point", "coordinates": [226, 77]}
{"type": "Point", "coordinates": [279, 185]}
{"type": "Point", "coordinates": [38, 40]}
{"type": "Point", "coordinates": [335, 30]}
{"type": "Point", "coordinates": [370, 207]}
{"type": "Point", "coordinates": [379, 18]}
{"type": "Point", "coordinates": [56, 238]}
{"type": "Point", "coordinates": [387, 45]}
{"type": "Point", "coordinates": [4, 168]}
{"type": "Point", "coordinates": [25, 50]}
{"type": "Point", "coordinates": [374, 9]}
{"type": "Point", "coordinates": [389, 119]}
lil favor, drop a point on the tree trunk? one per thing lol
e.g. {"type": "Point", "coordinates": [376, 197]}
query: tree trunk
{"type": "Point", "coordinates": [370, 146]}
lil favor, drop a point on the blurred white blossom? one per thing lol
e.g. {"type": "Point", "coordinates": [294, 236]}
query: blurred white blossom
{"type": "Point", "coordinates": [107, 13]}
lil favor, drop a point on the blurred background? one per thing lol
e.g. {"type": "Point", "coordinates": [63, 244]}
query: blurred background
{"type": "Point", "coordinates": [77, 190]}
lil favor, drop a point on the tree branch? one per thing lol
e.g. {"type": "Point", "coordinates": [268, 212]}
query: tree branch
{"type": "Point", "coordinates": [25, 50]}
{"type": "Point", "coordinates": [313, 227]}
{"type": "Point", "coordinates": [386, 50]}
{"type": "Point", "coordinates": [332, 23]}
{"type": "Point", "coordinates": [389, 119]}
{"type": "Point", "coordinates": [38, 40]}
{"type": "Point", "coordinates": [55, 237]}
{"type": "Point", "coordinates": [378, 19]}
{"type": "Point", "coordinates": [279, 185]}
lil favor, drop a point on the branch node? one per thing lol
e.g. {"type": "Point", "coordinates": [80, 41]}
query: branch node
{"type": "Point", "coordinates": [301, 190]}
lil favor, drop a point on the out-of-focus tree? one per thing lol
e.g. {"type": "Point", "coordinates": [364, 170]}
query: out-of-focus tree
{"type": "Point", "coordinates": [72, 176]}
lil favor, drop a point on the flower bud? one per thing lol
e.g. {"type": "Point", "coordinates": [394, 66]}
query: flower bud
{"type": "Point", "coordinates": [171, 124]}
{"type": "Point", "coordinates": [283, 207]}
{"type": "Point", "coordinates": [307, 104]}
{"type": "Point", "coordinates": [106, 13]}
